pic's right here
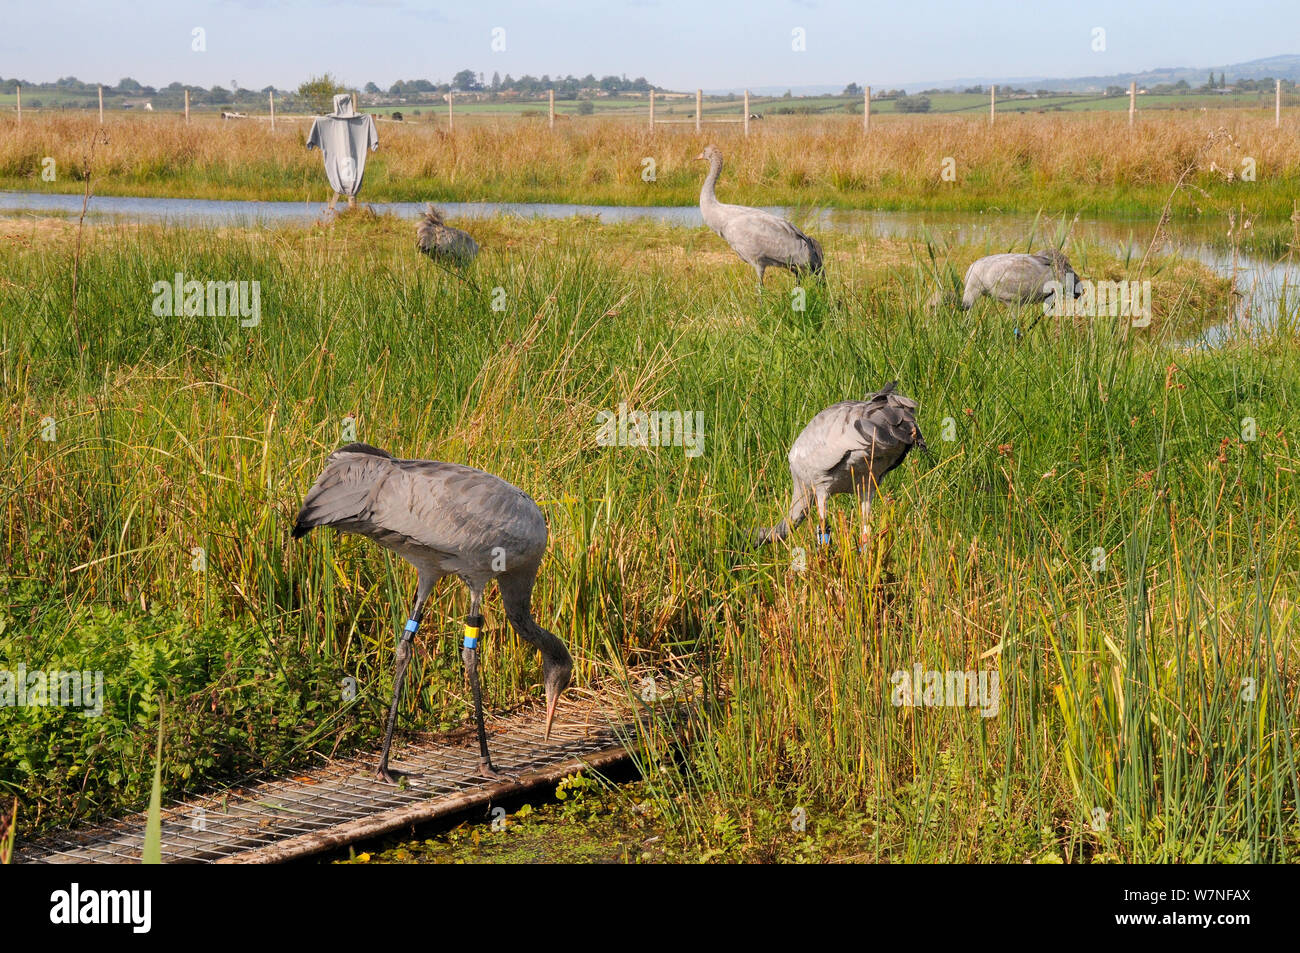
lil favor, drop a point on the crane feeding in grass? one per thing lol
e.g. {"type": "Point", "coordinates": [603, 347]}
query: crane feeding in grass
{"type": "Point", "coordinates": [760, 238]}
{"type": "Point", "coordinates": [444, 519]}
{"type": "Point", "coordinates": [1018, 278]}
{"type": "Point", "coordinates": [438, 240]}
{"type": "Point", "coordinates": [848, 448]}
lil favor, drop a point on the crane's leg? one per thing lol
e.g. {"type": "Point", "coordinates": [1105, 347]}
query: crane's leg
{"type": "Point", "coordinates": [403, 659]}
{"type": "Point", "coordinates": [823, 531]}
{"type": "Point", "coordinates": [759, 269]}
{"type": "Point", "coordinates": [473, 624]}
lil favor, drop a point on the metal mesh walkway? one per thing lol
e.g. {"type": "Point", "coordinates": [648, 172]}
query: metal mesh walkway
{"type": "Point", "coordinates": [335, 805]}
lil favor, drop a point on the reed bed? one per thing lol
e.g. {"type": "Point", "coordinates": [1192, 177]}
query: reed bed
{"type": "Point", "coordinates": [1123, 689]}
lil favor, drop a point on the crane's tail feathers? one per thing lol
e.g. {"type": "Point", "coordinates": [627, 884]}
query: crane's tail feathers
{"type": "Point", "coordinates": [331, 499]}
{"type": "Point", "coordinates": [426, 232]}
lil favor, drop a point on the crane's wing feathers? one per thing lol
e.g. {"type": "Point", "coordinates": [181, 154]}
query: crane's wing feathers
{"type": "Point", "coordinates": [883, 428]}
{"type": "Point", "coordinates": [754, 233]}
{"type": "Point", "coordinates": [438, 509]}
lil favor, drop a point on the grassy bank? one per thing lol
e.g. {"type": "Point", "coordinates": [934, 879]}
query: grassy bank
{"type": "Point", "coordinates": [1121, 688]}
{"type": "Point", "coordinates": [1058, 163]}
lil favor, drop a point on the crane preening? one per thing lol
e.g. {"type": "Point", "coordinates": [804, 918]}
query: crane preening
{"type": "Point", "coordinates": [848, 448]}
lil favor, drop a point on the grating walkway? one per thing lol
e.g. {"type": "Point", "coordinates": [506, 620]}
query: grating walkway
{"type": "Point", "coordinates": [340, 803]}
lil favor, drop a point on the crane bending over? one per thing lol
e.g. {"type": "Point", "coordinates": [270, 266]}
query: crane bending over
{"type": "Point", "coordinates": [437, 239]}
{"type": "Point", "coordinates": [1018, 278]}
{"type": "Point", "coordinates": [848, 448]}
{"type": "Point", "coordinates": [444, 519]}
{"type": "Point", "coordinates": [762, 239]}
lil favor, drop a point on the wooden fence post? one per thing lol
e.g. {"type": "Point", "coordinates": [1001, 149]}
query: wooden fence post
{"type": "Point", "coordinates": [1277, 107]}
{"type": "Point", "coordinates": [19, 91]}
{"type": "Point", "coordinates": [187, 106]}
{"type": "Point", "coordinates": [993, 103]}
{"type": "Point", "coordinates": [450, 120]}
{"type": "Point", "coordinates": [866, 109]}
{"type": "Point", "coordinates": [101, 105]}
{"type": "Point", "coordinates": [699, 102]}
{"type": "Point", "coordinates": [272, 95]}
{"type": "Point", "coordinates": [551, 116]}
{"type": "Point", "coordinates": [746, 112]}
{"type": "Point", "coordinates": [652, 110]}
{"type": "Point", "coordinates": [1132, 102]}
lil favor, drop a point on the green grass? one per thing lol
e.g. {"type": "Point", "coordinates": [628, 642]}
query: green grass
{"type": "Point", "coordinates": [1122, 689]}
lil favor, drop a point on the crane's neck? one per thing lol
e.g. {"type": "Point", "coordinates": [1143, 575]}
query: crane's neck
{"type": "Point", "coordinates": [707, 195]}
{"type": "Point", "coordinates": [554, 654]}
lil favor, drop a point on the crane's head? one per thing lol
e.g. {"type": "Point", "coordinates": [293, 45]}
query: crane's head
{"type": "Point", "coordinates": [556, 673]}
{"type": "Point", "coordinates": [1063, 271]}
{"type": "Point", "coordinates": [710, 154]}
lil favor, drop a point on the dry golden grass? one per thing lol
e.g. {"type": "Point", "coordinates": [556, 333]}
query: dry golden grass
{"type": "Point", "coordinates": [1069, 162]}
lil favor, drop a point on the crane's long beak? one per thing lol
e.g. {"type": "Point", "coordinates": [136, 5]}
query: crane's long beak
{"type": "Point", "coordinates": [700, 156]}
{"type": "Point", "coordinates": [550, 715]}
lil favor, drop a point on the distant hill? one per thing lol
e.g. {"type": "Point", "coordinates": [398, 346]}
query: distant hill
{"type": "Point", "coordinates": [1285, 66]}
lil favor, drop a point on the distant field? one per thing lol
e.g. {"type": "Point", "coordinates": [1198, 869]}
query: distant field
{"type": "Point", "coordinates": [679, 104]}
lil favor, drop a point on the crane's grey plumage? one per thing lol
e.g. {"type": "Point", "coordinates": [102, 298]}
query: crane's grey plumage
{"type": "Point", "coordinates": [1019, 278]}
{"type": "Point", "coordinates": [437, 239]}
{"type": "Point", "coordinates": [444, 519]}
{"type": "Point", "coordinates": [760, 238]}
{"type": "Point", "coordinates": [848, 448]}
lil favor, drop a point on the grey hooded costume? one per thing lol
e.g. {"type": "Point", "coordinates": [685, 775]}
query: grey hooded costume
{"type": "Point", "coordinates": [343, 138]}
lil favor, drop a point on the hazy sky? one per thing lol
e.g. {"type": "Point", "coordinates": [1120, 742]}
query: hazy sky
{"type": "Point", "coordinates": [675, 43]}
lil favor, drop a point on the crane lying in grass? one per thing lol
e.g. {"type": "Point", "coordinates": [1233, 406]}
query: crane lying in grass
{"type": "Point", "coordinates": [440, 241]}
{"type": "Point", "coordinates": [847, 448]}
{"type": "Point", "coordinates": [444, 519]}
{"type": "Point", "coordinates": [762, 239]}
